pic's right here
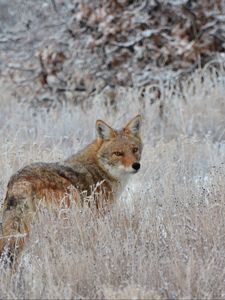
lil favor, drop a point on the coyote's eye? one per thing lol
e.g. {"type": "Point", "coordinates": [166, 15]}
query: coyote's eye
{"type": "Point", "coordinates": [135, 149]}
{"type": "Point", "coordinates": [118, 153]}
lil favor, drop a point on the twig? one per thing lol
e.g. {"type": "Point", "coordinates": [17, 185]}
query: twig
{"type": "Point", "coordinates": [54, 6]}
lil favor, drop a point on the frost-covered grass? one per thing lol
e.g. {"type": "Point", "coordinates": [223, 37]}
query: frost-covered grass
{"type": "Point", "coordinates": [165, 237]}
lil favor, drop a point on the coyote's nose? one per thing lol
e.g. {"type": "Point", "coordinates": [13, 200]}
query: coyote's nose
{"type": "Point", "coordinates": [136, 166]}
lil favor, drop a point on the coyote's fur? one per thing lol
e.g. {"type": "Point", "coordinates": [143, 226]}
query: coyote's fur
{"type": "Point", "coordinates": [100, 170]}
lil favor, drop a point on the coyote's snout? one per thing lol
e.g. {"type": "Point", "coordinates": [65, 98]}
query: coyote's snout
{"type": "Point", "coordinates": [98, 173]}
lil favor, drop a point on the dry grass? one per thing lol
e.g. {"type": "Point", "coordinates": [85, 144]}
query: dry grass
{"type": "Point", "coordinates": [165, 237]}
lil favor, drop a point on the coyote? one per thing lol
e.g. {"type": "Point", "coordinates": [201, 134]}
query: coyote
{"type": "Point", "coordinates": [96, 175]}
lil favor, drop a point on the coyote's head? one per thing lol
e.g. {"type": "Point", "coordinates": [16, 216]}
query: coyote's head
{"type": "Point", "coordinates": [120, 150]}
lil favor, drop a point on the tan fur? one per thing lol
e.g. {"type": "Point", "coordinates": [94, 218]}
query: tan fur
{"type": "Point", "coordinates": [100, 170]}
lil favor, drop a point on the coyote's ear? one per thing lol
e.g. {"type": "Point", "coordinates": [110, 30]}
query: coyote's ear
{"type": "Point", "coordinates": [104, 131]}
{"type": "Point", "coordinates": [134, 126]}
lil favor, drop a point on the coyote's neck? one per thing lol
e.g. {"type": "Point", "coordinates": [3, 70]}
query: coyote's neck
{"type": "Point", "coordinates": [85, 157]}
{"type": "Point", "coordinates": [87, 161]}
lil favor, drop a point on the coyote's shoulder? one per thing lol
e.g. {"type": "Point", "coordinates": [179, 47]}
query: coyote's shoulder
{"type": "Point", "coordinates": [98, 173]}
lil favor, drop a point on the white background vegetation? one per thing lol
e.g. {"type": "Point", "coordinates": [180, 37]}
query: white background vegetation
{"type": "Point", "coordinates": [165, 237]}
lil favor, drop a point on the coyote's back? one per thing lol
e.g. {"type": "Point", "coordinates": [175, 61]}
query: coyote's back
{"type": "Point", "coordinates": [95, 175]}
